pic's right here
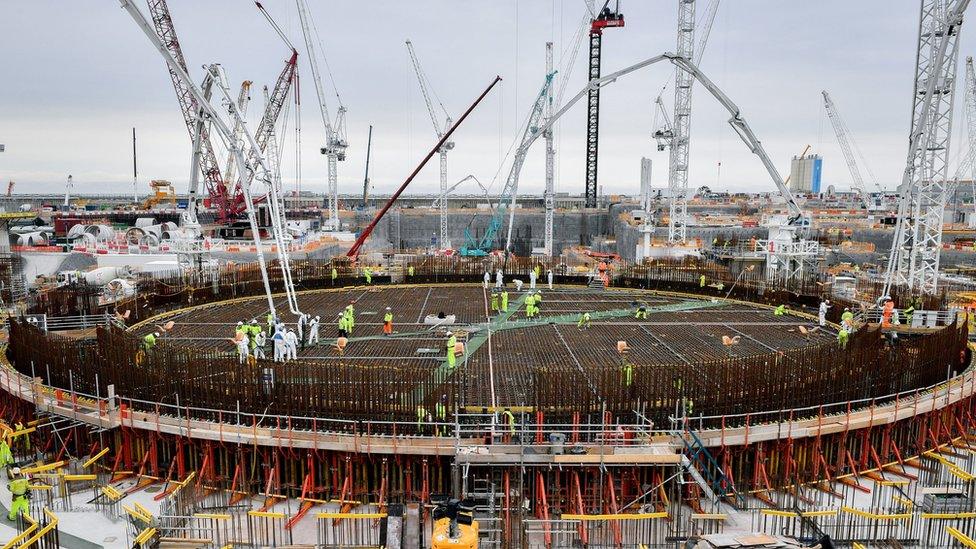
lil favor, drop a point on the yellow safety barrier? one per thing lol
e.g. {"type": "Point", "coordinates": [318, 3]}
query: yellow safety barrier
{"type": "Point", "coordinates": [351, 515]}
{"type": "Point", "coordinates": [143, 510]}
{"type": "Point", "coordinates": [858, 546]}
{"type": "Point", "coordinates": [42, 468]}
{"type": "Point", "coordinates": [775, 513]}
{"type": "Point", "coordinates": [145, 536]}
{"type": "Point", "coordinates": [621, 516]}
{"type": "Point", "coordinates": [875, 516]}
{"type": "Point", "coordinates": [137, 515]}
{"type": "Point", "coordinates": [18, 540]}
{"type": "Point", "coordinates": [211, 516]}
{"type": "Point", "coordinates": [52, 523]}
{"type": "Point", "coordinates": [949, 516]}
{"type": "Point", "coordinates": [904, 501]}
{"type": "Point", "coordinates": [266, 514]}
{"type": "Point", "coordinates": [78, 478]}
{"type": "Point", "coordinates": [111, 493]}
{"type": "Point", "coordinates": [91, 461]}
{"type": "Point", "coordinates": [952, 467]}
{"type": "Point", "coordinates": [961, 538]}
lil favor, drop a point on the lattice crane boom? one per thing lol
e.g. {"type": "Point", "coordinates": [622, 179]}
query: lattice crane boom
{"type": "Point", "coordinates": [842, 133]}
{"type": "Point", "coordinates": [448, 145]}
{"type": "Point", "coordinates": [243, 99]}
{"type": "Point", "coordinates": [606, 18]}
{"type": "Point", "coordinates": [335, 131]}
{"type": "Point", "coordinates": [917, 242]}
{"type": "Point", "coordinates": [681, 128]}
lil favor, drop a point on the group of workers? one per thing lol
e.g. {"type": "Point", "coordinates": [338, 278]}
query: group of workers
{"type": "Point", "coordinates": [499, 301]}
{"type": "Point", "coordinates": [532, 301]}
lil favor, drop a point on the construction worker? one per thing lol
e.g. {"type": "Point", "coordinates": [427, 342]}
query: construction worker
{"type": "Point", "coordinates": [909, 312]}
{"type": "Point", "coordinates": [302, 322]}
{"type": "Point", "coordinates": [641, 312]}
{"type": "Point", "coordinates": [511, 421]}
{"type": "Point", "coordinates": [529, 305]}
{"type": "Point", "coordinates": [451, 345]}
{"type": "Point", "coordinates": [253, 330]}
{"type": "Point", "coordinates": [342, 325]}
{"type": "Point", "coordinates": [532, 277]}
{"type": "Point", "coordinates": [19, 491]}
{"type": "Point", "coordinates": [278, 344]}
{"type": "Point", "coordinates": [410, 271]}
{"type": "Point", "coordinates": [313, 330]}
{"type": "Point", "coordinates": [388, 322]}
{"type": "Point", "coordinates": [6, 456]}
{"type": "Point", "coordinates": [549, 278]}
{"type": "Point", "coordinates": [368, 274]}
{"type": "Point", "coordinates": [499, 278]}
{"type": "Point", "coordinates": [487, 278]}
{"type": "Point", "coordinates": [535, 304]}
{"type": "Point", "coordinates": [291, 345]}
{"type": "Point", "coordinates": [780, 310]}
{"type": "Point", "coordinates": [628, 374]}
{"type": "Point", "coordinates": [887, 313]}
{"type": "Point", "coordinates": [271, 322]}
{"type": "Point", "coordinates": [240, 332]}
{"type": "Point", "coordinates": [518, 285]}
{"type": "Point", "coordinates": [350, 313]}
{"type": "Point", "coordinates": [584, 321]}
{"type": "Point", "coordinates": [242, 344]}
{"type": "Point", "coordinates": [335, 275]}
{"type": "Point", "coordinates": [847, 320]}
{"type": "Point", "coordinates": [822, 313]}
{"type": "Point", "coordinates": [260, 341]}
{"type": "Point", "coordinates": [842, 337]}
{"type": "Point", "coordinates": [440, 410]}
{"type": "Point", "coordinates": [421, 417]}
{"type": "Point", "coordinates": [701, 281]}
{"type": "Point", "coordinates": [504, 296]}
{"type": "Point", "coordinates": [149, 341]}
{"type": "Point", "coordinates": [538, 271]}
{"type": "Point", "coordinates": [494, 302]}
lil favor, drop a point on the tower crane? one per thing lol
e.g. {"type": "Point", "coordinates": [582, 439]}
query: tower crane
{"type": "Point", "coordinates": [606, 18]}
{"type": "Point", "coordinates": [917, 242]}
{"type": "Point", "coordinates": [844, 140]}
{"type": "Point", "coordinates": [677, 136]}
{"type": "Point", "coordinates": [335, 131]}
{"type": "Point", "coordinates": [243, 99]}
{"type": "Point", "coordinates": [681, 130]}
{"type": "Point", "coordinates": [549, 195]}
{"type": "Point", "coordinates": [425, 91]}
{"type": "Point", "coordinates": [506, 200]}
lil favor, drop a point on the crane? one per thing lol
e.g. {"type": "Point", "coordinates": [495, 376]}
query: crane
{"type": "Point", "coordinates": [844, 140]}
{"type": "Point", "coordinates": [335, 130]}
{"type": "Point", "coordinates": [468, 177]}
{"type": "Point", "coordinates": [67, 191]}
{"type": "Point", "coordinates": [549, 195]}
{"type": "Point", "coordinates": [482, 247]}
{"type": "Point", "coordinates": [677, 135]}
{"type": "Point", "coordinates": [605, 19]}
{"type": "Point", "coordinates": [448, 145]}
{"type": "Point", "coordinates": [243, 98]}
{"type": "Point", "coordinates": [917, 242]}
{"type": "Point", "coordinates": [216, 187]}
{"type": "Point", "coordinates": [202, 105]}
{"type": "Point", "coordinates": [969, 164]}
{"type": "Point", "coordinates": [369, 150]}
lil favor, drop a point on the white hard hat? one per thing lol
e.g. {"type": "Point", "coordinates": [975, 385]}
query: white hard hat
{"type": "Point", "coordinates": [449, 333]}
{"type": "Point", "coordinates": [387, 308]}
{"type": "Point", "coordinates": [15, 471]}
{"type": "Point", "coordinates": [239, 323]}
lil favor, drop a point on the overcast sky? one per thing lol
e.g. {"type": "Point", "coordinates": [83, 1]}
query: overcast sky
{"type": "Point", "coordinates": [78, 75]}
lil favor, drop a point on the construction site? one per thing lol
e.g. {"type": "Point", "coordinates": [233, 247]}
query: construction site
{"type": "Point", "coordinates": [232, 363]}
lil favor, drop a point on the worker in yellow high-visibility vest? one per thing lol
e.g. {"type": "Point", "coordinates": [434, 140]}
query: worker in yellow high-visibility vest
{"type": "Point", "coordinates": [19, 489]}
{"type": "Point", "coordinates": [451, 345]}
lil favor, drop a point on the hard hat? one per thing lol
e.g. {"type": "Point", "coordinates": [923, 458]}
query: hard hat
{"type": "Point", "coordinates": [316, 317]}
{"type": "Point", "coordinates": [15, 471]}
{"type": "Point", "coordinates": [387, 308]}
{"type": "Point", "coordinates": [254, 321]}
{"type": "Point", "coordinates": [239, 323]}
{"type": "Point", "coordinates": [156, 334]}
{"type": "Point", "coordinates": [449, 333]}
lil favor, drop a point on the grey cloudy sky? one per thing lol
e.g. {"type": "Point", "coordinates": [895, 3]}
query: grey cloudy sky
{"type": "Point", "coordinates": [78, 74]}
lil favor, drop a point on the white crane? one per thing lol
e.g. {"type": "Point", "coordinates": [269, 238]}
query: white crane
{"type": "Point", "coordinates": [844, 139]}
{"type": "Point", "coordinates": [68, 185]}
{"type": "Point", "coordinates": [917, 242]}
{"type": "Point", "coordinates": [212, 117]}
{"type": "Point", "coordinates": [425, 90]}
{"type": "Point", "coordinates": [243, 99]}
{"type": "Point", "coordinates": [335, 132]}
{"type": "Point", "coordinates": [549, 196]}
{"type": "Point", "coordinates": [678, 134]}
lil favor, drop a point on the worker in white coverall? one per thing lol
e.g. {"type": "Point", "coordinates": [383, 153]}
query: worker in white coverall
{"type": "Point", "coordinates": [499, 278]}
{"type": "Point", "coordinates": [549, 278]}
{"type": "Point", "coordinates": [291, 345]}
{"type": "Point", "coordinates": [242, 353]}
{"type": "Point", "coordinates": [487, 279]}
{"type": "Point", "coordinates": [822, 313]}
{"type": "Point", "coordinates": [532, 277]}
{"type": "Point", "coordinates": [279, 345]}
{"type": "Point", "coordinates": [259, 341]}
{"type": "Point", "coordinates": [313, 330]}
